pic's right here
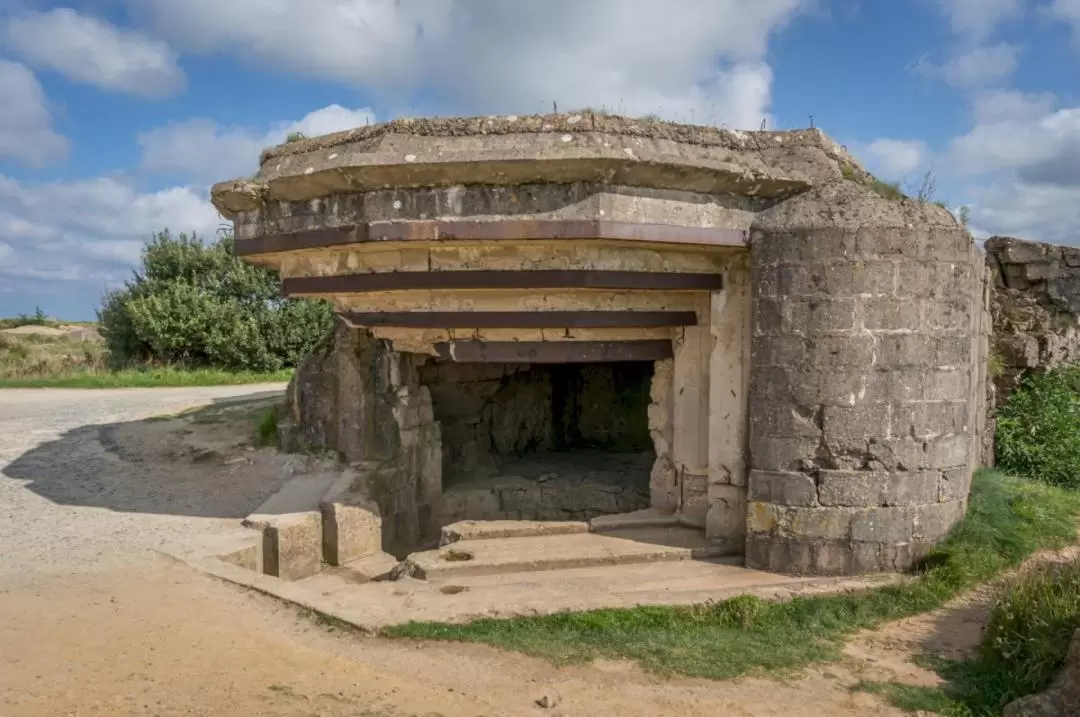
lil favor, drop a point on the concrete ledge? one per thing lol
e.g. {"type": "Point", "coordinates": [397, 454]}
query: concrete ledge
{"type": "Point", "coordinates": [466, 530]}
{"type": "Point", "coordinates": [371, 606]}
{"type": "Point", "coordinates": [557, 552]}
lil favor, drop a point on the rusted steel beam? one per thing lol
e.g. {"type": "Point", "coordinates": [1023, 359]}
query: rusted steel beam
{"type": "Point", "coordinates": [522, 319]}
{"type": "Point", "coordinates": [502, 279]}
{"type": "Point", "coordinates": [492, 230]}
{"type": "Point", "coordinates": [295, 241]}
{"type": "Point", "coordinates": [554, 351]}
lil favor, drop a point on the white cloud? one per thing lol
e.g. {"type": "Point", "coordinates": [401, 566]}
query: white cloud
{"type": "Point", "coordinates": [208, 152]}
{"type": "Point", "coordinates": [26, 134]}
{"type": "Point", "coordinates": [1025, 150]}
{"type": "Point", "coordinates": [1024, 134]}
{"type": "Point", "coordinates": [92, 229]}
{"type": "Point", "coordinates": [697, 60]}
{"type": "Point", "coordinates": [1042, 212]}
{"type": "Point", "coordinates": [88, 50]}
{"type": "Point", "coordinates": [894, 158]}
{"type": "Point", "coordinates": [1067, 11]}
{"type": "Point", "coordinates": [978, 19]}
{"type": "Point", "coordinates": [977, 66]}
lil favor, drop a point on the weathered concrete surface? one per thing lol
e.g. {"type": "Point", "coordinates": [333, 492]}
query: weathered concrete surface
{"type": "Point", "coordinates": [560, 551]}
{"type": "Point", "coordinates": [1061, 699]}
{"type": "Point", "coordinates": [865, 387]}
{"type": "Point", "coordinates": [351, 530]}
{"type": "Point", "coordinates": [573, 148]}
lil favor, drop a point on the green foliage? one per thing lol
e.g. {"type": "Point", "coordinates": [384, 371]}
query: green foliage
{"type": "Point", "coordinates": [197, 304]}
{"type": "Point", "coordinates": [912, 698]}
{"type": "Point", "coordinates": [266, 428]}
{"type": "Point", "coordinates": [1038, 428]}
{"type": "Point", "coordinates": [38, 318]}
{"type": "Point", "coordinates": [295, 136]}
{"type": "Point", "coordinates": [1007, 520]}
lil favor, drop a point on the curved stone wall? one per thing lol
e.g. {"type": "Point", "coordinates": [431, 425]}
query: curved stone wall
{"type": "Point", "coordinates": [866, 393]}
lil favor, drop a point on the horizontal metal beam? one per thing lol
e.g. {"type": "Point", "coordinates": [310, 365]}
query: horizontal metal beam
{"type": "Point", "coordinates": [554, 351]}
{"type": "Point", "coordinates": [491, 230]}
{"type": "Point", "coordinates": [502, 279]}
{"type": "Point", "coordinates": [521, 319]}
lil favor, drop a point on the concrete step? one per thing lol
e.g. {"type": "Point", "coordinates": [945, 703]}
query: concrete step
{"type": "Point", "coordinates": [560, 552]}
{"type": "Point", "coordinates": [469, 530]}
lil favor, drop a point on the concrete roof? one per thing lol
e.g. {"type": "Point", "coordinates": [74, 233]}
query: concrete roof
{"type": "Point", "coordinates": [564, 148]}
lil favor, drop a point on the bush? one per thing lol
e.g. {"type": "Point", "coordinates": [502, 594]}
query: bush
{"type": "Point", "coordinates": [197, 304]}
{"type": "Point", "coordinates": [1038, 428]}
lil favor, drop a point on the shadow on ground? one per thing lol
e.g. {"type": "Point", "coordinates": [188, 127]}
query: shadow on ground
{"type": "Point", "coordinates": [200, 463]}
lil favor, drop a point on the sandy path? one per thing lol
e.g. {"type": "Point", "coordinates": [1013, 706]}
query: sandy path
{"type": "Point", "coordinates": [95, 621]}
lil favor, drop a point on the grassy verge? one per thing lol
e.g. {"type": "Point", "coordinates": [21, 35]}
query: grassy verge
{"type": "Point", "coordinates": [1007, 520]}
{"type": "Point", "coordinates": [60, 361]}
{"type": "Point", "coordinates": [1022, 651]}
{"type": "Point", "coordinates": [143, 378]}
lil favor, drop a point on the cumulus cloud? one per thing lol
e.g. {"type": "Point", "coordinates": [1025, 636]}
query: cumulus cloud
{"type": "Point", "coordinates": [698, 60]}
{"type": "Point", "coordinates": [92, 229]}
{"type": "Point", "coordinates": [1067, 11]}
{"type": "Point", "coordinates": [26, 134]}
{"type": "Point", "coordinates": [91, 51]}
{"type": "Point", "coordinates": [1024, 149]}
{"type": "Point", "coordinates": [1024, 134]}
{"type": "Point", "coordinates": [895, 158]}
{"type": "Point", "coordinates": [976, 66]}
{"type": "Point", "coordinates": [209, 152]}
{"type": "Point", "coordinates": [978, 19]}
{"type": "Point", "coordinates": [1043, 212]}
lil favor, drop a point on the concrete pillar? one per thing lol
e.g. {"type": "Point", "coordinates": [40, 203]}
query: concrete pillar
{"type": "Point", "coordinates": [729, 380]}
{"type": "Point", "coordinates": [693, 345]}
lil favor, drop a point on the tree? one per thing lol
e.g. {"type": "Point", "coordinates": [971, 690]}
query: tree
{"type": "Point", "coordinates": [197, 304]}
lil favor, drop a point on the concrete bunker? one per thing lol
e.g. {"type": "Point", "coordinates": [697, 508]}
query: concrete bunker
{"type": "Point", "coordinates": [815, 352]}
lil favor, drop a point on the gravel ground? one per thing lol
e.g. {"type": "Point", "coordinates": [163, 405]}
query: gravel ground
{"type": "Point", "coordinates": [68, 504]}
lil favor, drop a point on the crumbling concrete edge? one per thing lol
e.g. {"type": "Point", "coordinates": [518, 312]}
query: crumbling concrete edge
{"type": "Point", "coordinates": [293, 593]}
{"type": "Point", "coordinates": [326, 610]}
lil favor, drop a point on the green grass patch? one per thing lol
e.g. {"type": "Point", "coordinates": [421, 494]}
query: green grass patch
{"type": "Point", "coordinates": [144, 378]}
{"type": "Point", "coordinates": [914, 698]}
{"type": "Point", "coordinates": [1007, 520]}
{"type": "Point", "coordinates": [266, 428]}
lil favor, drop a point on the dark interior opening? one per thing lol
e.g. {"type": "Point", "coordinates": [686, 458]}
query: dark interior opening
{"type": "Point", "coordinates": [542, 441]}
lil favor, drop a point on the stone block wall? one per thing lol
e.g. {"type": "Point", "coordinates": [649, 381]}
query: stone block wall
{"type": "Point", "coordinates": [865, 394]}
{"type": "Point", "coordinates": [355, 397]}
{"type": "Point", "coordinates": [1035, 307]}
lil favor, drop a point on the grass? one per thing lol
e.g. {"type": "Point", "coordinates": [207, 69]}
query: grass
{"type": "Point", "coordinates": [39, 361]}
{"type": "Point", "coordinates": [1008, 519]}
{"type": "Point", "coordinates": [149, 377]}
{"type": "Point", "coordinates": [266, 428]}
{"type": "Point", "coordinates": [912, 698]}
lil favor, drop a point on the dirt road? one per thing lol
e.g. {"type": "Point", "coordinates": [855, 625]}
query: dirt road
{"type": "Point", "coordinates": [95, 620]}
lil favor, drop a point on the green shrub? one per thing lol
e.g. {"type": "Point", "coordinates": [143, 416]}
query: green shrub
{"type": "Point", "coordinates": [1038, 428]}
{"type": "Point", "coordinates": [196, 304]}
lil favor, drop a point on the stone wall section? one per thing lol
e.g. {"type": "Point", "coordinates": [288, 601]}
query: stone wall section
{"type": "Point", "coordinates": [864, 392]}
{"type": "Point", "coordinates": [355, 397]}
{"type": "Point", "coordinates": [1035, 307]}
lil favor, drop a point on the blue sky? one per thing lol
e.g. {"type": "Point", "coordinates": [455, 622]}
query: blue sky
{"type": "Point", "coordinates": [117, 115]}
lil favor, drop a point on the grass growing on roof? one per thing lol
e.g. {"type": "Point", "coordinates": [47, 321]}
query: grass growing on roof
{"type": "Point", "coordinates": [1008, 519]}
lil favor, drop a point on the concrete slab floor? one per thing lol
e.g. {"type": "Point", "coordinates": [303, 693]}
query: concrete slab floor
{"type": "Point", "coordinates": [374, 605]}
